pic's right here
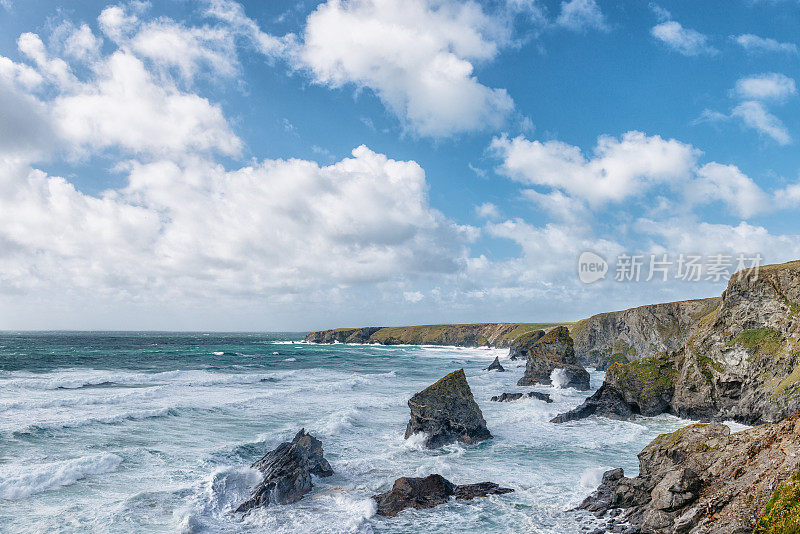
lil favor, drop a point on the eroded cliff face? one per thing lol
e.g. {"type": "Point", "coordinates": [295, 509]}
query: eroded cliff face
{"type": "Point", "coordinates": [460, 335]}
{"type": "Point", "coordinates": [741, 361]}
{"type": "Point", "coordinates": [702, 478]}
{"type": "Point", "coordinates": [628, 335]}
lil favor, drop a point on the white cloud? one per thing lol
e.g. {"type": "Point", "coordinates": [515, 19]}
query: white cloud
{"type": "Point", "coordinates": [582, 15]}
{"type": "Point", "coordinates": [273, 228]}
{"type": "Point", "coordinates": [766, 86]}
{"type": "Point", "coordinates": [620, 168]}
{"type": "Point", "coordinates": [233, 14]}
{"type": "Point", "coordinates": [730, 185]}
{"type": "Point", "coordinates": [754, 43]}
{"type": "Point", "coordinates": [685, 41]}
{"type": "Point", "coordinates": [754, 115]}
{"type": "Point", "coordinates": [417, 56]}
{"type": "Point", "coordinates": [413, 296]}
{"type": "Point", "coordinates": [487, 210]}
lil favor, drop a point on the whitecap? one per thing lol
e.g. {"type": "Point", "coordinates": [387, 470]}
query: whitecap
{"type": "Point", "coordinates": [25, 482]}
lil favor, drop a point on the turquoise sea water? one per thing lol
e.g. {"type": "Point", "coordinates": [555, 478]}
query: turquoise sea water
{"type": "Point", "coordinates": [154, 432]}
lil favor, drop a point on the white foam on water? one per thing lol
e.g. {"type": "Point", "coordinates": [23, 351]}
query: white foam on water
{"type": "Point", "coordinates": [24, 482]}
{"type": "Point", "coordinates": [559, 378]}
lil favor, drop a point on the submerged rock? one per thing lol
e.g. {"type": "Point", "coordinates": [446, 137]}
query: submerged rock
{"type": "Point", "coordinates": [508, 397]}
{"type": "Point", "coordinates": [287, 472]}
{"type": "Point", "coordinates": [552, 351]}
{"type": "Point", "coordinates": [495, 366]}
{"type": "Point", "coordinates": [702, 478]}
{"type": "Point", "coordinates": [430, 491]}
{"type": "Point", "coordinates": [447, 412]}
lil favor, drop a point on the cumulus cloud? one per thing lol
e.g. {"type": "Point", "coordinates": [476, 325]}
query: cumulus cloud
{"type": "Point", "coordinates": [754, 115]}
{"type": "Point", "coordinates": [418, 57]}
{"type": "Point", "coordinates": [620, 168]}
{"type": "Point", "coordinates": [582, 15]}
{"type": "Point", "coordinates": [271, 228]}
{"type": "Point", "coordinates": [487, 210]}
{"type": "Point", "coordinates": [754, 43]}
{"type": "Point", "coordinates": [685, 41]}
{"type": "Point", "coordinates": [767, 86]}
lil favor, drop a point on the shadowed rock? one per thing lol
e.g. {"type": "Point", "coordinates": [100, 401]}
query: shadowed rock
{"type": "Point", "coordinates": [446, 411]}
{"type": "Point", "coordinates": [552, 351]}
{"type": "Point", "coordinates": [495, 366]}
{"type": "Point", "coordinates": [429, 491]}
{"type": "Point", "coordinates": [287, 472]}
{"type": "Point", "coordinates": [519, 347]}
{"type": "Point", "coordinates": [508, 397]}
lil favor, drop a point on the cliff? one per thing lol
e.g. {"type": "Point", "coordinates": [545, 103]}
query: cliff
{"type": "Point", "coordinates": [702, 478]}
{"type": "Point", "coordinates": [628, 335]}
{"type": "Point", "coordinates": [461, 335]}
{"type": "Point", "coordinates": [741, 361]}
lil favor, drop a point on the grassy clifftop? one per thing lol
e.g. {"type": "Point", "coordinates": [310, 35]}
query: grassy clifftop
{"type": "Point", "coordinates": [465, 335]}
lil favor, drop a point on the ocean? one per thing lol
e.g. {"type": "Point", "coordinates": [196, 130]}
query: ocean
{"type": "Point", "coordinates": [155, 432]}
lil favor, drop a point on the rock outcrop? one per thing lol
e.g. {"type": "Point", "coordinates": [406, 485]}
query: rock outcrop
{"type": "Point", "coordinates": [508, 397]}
{"type": "Point", "coordinates": [628, 335]}
{"type": "Point", "coordinates": [287, 472]}
{"type": "Point", "coordinates": [430, 491]}
{"type": "Point", "coordinates": [460, 335]}
{"type": "Point", "coordinates": [552, 351]}
{"type": "Point", "coordinates": [447, 412]}
{"type": "Point", "coordinates": [495, 365]}
{"type": "Point", "coordinates": [703, 479]}
{"type": "Point", "coordinates": [739, 362]}
{"type": "Point", "coordinates": [519, 347]}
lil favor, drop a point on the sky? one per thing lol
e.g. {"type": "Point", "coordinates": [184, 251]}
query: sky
{"type": "Point", "coordinates": [221, 165]}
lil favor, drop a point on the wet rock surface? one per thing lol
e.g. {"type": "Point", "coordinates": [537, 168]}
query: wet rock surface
{"type": "Point", "coordinates": [702, 478]}
{"type": "Point", "coordinates": [550, 352]}
{"type": "Point", "coordinates": [287, 472]}
{"type": "Point", "coordinates": [495, 365]}
{"type": "Point", "coordinates": [509, 397]}
{"type": "Point", "coordinates": [447, 412]}
{"type": "Point", "coordinates": [428, 492]}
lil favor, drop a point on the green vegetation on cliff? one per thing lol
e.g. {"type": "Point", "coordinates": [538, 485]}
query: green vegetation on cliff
{"type": "Point", "coordinates": [646, 380]}
{"type": "Point", "coordinates": [782, 512]}
{"type": "Point", "coordinates": [760, 340]}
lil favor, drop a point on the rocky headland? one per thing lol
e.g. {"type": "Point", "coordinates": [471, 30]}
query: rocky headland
{"type": "Point", "coordinates": [703, 478]}
{"type": "Point", "coordinates": [446, 412]}
{"type": "Point", "coordinates": [459, 335]}
{"type": "Point", "coordinates": [739, 362]}
{"type": "Point", "coordinates": [550, 352]}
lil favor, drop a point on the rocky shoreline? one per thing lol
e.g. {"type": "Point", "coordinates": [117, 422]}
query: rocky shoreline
{"type": "Point", "coordinates": [734, 357]}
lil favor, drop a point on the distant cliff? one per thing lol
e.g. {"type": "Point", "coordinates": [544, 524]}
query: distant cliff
{"type": "Point", "coordinates": [628, 335]}
{"type": "Point", "coordinates": [460, 335]}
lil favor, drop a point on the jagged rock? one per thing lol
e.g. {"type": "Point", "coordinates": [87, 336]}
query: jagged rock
{"type": "Point", "coordinates": [643, 387]}
{"type": "Point", "coordinates": [702, 478]}
{"type": "Point", "coordinates": [508, 397]}
{"type": "Point", "coordinates": [287, 472]}
{"type": "Point", "coordinates": [495, 365]}
{"type": "Point", "coordinates": [552, 351]}
{"type": "Point", "coordinates": [447, 412]}
{"type": "Point", "coordinates": [430, 491]}
{"type": "Point", "coordinates": [519, 347]}
{"type": "Point", "coordinates": [627, 335]}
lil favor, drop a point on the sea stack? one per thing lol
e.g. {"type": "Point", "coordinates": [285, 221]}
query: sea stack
{"type": "Point", "coordinates": [287, 472]}
{"type": "Point", "coordinates": [495, 366]}
{"type": "Point", "coordinates": [447, 412]}
{"type": "Point", "coordinates": [554, 350]}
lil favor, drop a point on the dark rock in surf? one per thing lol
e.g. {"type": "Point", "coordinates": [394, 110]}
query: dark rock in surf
{"type": "Point", "coordinates": [495, 366]}
{"type": "Point", "coordinates": [508, 397]}
{"type": "Point", "coordinates": [287, 472]}
{"type": "Point", "coordinates": [428, 492]}
{"type": "Point", "coordinates": [552, 351]}
{"type": "Point", "coordinates": [447, 412]}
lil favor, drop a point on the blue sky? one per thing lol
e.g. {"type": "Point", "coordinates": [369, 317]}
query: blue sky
{"type": "Point", "coordinates": [196, 164]}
